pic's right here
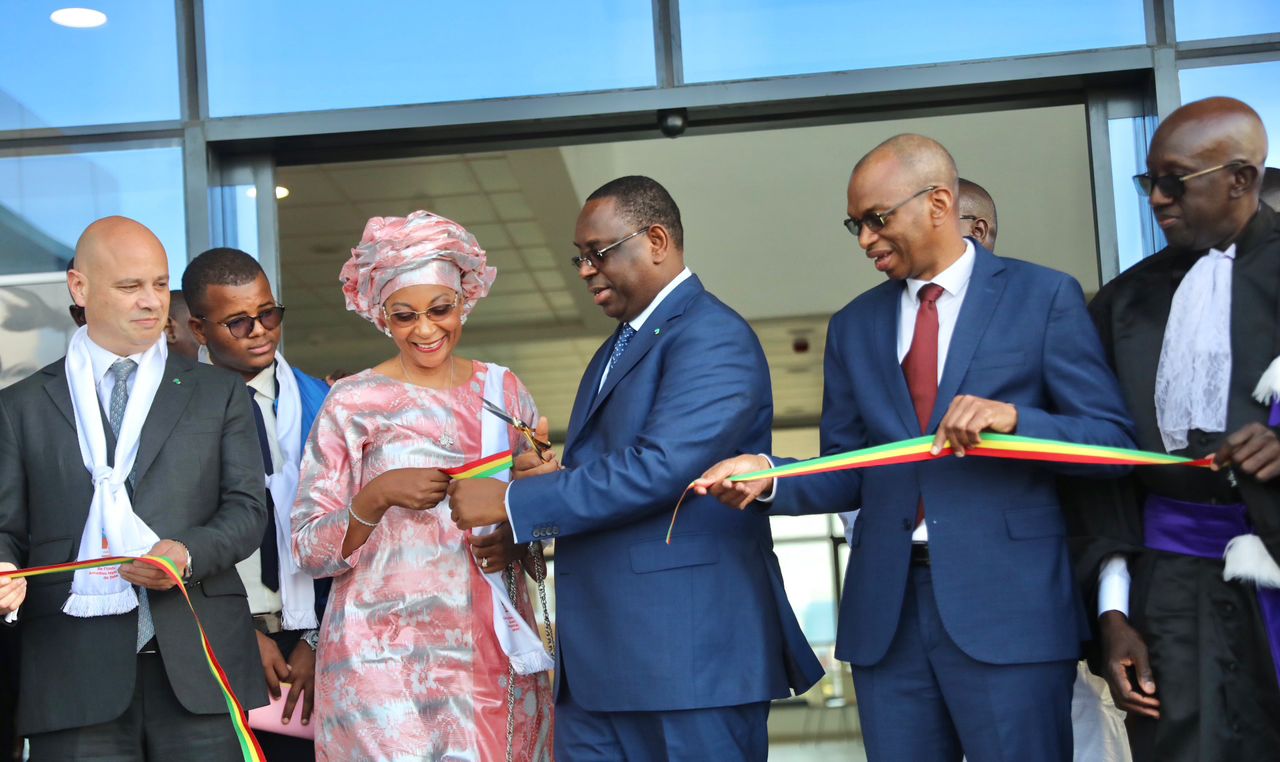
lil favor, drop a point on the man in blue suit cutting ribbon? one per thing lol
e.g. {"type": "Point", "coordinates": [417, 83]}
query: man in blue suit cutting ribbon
{"type": "Point", "coordinates": [959, 616]}
{"type": "Point", "coordinates": [665, 651]}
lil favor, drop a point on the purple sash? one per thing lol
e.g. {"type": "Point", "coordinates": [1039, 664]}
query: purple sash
{"type": "Point", "coordinates": [1203, 530]}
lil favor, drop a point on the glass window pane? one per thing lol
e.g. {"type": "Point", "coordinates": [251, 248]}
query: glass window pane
{"type": "Point", "coordinates": [810, 583]}
{"type": "Point", "coordinates": [300, 55]}
{"type": "Point", "coordinates": [123, 71]}
{"type": "Point", "coordinates": [1206, 19]}
{"type": "Point", "coordinates": [47, 200]}
{"type": "Point", "coordinates": [34, 324]}
{"type": "Point", "coordinates": [1136, 230]}
{"type": "Point", "coordinates": [1254, 84]}
{"type": "Point", "coordinates": [741, 39]}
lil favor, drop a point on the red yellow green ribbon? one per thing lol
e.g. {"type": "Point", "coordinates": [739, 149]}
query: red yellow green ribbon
{"type": "Point", "coordinates": [483, 468]}
{"type": "Point", "coordinates": [248, 743]}
{"type": "Point", "coordinates": [1009, 446]}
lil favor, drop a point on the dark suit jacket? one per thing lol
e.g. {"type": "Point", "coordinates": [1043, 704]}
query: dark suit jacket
{"type": "Point", "coordinates": [1001, 575]}
{"type": "Point", "coordinates": [197, 479]}
{"type": "Point", "coordinates": [646, 626]}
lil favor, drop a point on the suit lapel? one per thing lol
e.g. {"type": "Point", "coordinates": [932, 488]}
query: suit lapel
{"type": "Point", "coordinates": [986, 284]}
{"type": "Point", "coordinates": [586, 394]}
{"type": "Point", "coordinates": [60, 392]}
{"type": "Point", "coordinates": [645, 339]}
{"type": "Point", "coordinates": [167, 407]}
{"type": "Point", "coordinates": [885, 336]}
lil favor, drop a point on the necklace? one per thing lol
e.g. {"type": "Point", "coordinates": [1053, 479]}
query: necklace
{"type": "Point", "coordinates": [453, 366]}
{"type": "Point", "coordinates": [445, 439]}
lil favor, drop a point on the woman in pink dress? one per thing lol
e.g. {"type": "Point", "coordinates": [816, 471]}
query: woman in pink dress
{"type": "Point", "coordinates": [409, 666]}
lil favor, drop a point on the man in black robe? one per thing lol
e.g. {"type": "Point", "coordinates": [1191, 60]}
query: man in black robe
{"type": "Point", "coordinates": [1191, 656]}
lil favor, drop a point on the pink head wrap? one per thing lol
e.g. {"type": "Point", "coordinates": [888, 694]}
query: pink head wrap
{"type": "Point", "coordinates": [421, 249]}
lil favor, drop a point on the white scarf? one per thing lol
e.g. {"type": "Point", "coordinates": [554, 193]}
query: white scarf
{"type": "Point", "coordinates": [112, 528]}
{"type": "Point", "coordinates": [520, 642]}
{"type": "Point", "coordinates": [297, 591]}
{"type": "Point", "coordinates": [1194, 374]}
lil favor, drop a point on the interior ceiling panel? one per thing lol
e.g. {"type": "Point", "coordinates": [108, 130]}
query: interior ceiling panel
{"type": "Point", "coordinates": [761, 212]}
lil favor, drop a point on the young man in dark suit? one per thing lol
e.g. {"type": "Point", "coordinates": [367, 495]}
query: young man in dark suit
{"type": "Point", "coordinates": [237, 324]}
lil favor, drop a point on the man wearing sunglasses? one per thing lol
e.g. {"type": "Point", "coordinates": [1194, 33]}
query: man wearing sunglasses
{"type": "Point", "coordinates": [960, 617]}
{"type": "Point", "coordinates": [237, 322]}
{"type": "Point", "coordinates": [1191, 332]}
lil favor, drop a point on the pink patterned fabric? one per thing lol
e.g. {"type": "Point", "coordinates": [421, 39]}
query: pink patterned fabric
{"type": "Point", "coordinates": [408, 666]}
{"type": "Point", "coordinates": [392, 248]}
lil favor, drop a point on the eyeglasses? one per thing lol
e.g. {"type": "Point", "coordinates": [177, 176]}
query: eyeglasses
{"type": "Point", "coordinates": [436, 313]}
{"type": "Point", "coordinates": [240, 327]}
{"type": "Point", "coordinates": [875, 221]}
{"type": "Point", "coordinates": [973, 217]}
{"type": "Point", "coordinates": [1174, 186]}
{"type": "Point", "coordinates": [594, 257]}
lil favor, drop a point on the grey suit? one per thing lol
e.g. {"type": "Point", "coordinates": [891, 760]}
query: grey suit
{"type": "Point", "coordinates": [198, 480]}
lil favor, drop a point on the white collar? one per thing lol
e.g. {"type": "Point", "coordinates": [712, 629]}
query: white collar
{"type": "Point", "coordinates": [638, 322]}
{"type": "Point", "coordinates": [102, 359]}
{"type": "Point", "coordinates": [265, 382]}
{"type": "Point", "coordinates": [954, 280]}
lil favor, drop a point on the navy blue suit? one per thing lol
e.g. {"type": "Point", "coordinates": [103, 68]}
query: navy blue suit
{"type": "Point", "coordinates": [644, 626]}
{"type": "Point", "coordinates": [1000, 589]}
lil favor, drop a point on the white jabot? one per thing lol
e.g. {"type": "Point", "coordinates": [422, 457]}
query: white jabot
{"type": "Point", "coordinates": [1194, 374]}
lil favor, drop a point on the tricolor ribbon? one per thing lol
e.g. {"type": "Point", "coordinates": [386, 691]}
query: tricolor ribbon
{"type": "Point", "coordinates": [248, 743]}
{"type": "Point", "coordinates": [483, 468]}
{"type": "Point", "coordinates": [1009, 446]}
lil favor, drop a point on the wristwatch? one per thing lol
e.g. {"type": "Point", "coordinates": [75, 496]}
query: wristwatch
{"type": "Point", "coordinates": [311, 638]}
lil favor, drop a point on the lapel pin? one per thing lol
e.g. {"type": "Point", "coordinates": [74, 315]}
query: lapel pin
{"type": "Point", "coordinates": [176, 381]}
{"type": "Point", "coordinates": [657, 331]}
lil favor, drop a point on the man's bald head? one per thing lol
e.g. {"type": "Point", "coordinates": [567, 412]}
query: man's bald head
{"type": "Point", "coordinates": [920, 160]}
{"type": "Point", "coordinates": [1223, 139]}
{"type": "Point", "coordinates": [977, 213]}
{"type": "Point", "coordinates": [121, 278]}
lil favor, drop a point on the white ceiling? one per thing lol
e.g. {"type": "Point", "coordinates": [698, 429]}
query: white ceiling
{"type": "Point", "coordinates": [762, 213]}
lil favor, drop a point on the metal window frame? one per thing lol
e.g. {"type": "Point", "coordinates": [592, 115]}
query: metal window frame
{"type": "Point", "coordinates": [717, 107]}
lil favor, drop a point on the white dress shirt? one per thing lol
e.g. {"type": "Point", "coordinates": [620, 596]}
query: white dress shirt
{"type": "Point", "coordinates": [101, 360]}
{"type": "Point", "coordinates": [262, 599]}
{"type": "Point", "coordinates": [636, 323]}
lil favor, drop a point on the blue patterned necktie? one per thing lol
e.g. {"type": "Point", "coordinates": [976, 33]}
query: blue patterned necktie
{"type": "Point", "coordinates": [120, 372]}
{"type": "Point", "coordinates": [620, 345]}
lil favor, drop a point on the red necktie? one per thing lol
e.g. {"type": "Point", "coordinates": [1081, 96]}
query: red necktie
{"type": "Point", "coordinates": [920, 366]}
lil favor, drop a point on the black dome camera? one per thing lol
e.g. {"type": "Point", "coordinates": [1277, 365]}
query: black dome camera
{"type": "Point", "coordinates": [672, 123]}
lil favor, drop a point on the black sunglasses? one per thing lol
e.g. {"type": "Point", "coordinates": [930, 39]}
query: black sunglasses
{"type": "Point", "coordinates": [240, 327]}
{"type": "Point", "coordinates": [1174, 186]}
{"type": "Point", "coordinates": [875, 221]}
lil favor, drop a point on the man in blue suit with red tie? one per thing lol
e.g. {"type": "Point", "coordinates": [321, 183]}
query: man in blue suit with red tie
{"type": "Point", "coordinates": [959, 616]}
{"type": "Point", "coordinates": [665, 651]}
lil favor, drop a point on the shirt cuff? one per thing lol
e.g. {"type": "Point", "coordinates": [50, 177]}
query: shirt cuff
{"type": "Point", "coordinates": [506, 503]}
{"type": "Point", "coordinates": [773, 489]}
{"type": "Point", "coordinates": [1113, 586]}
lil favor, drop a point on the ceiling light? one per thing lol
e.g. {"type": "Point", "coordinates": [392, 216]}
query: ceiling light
{"type": "Point", "coordinates": [78, 18]}
{"type": "Point", "coordinates": [281, 191]}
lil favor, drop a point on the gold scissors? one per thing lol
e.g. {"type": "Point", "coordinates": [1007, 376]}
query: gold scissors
{"type": "Point", "coordinates": [538, 445]}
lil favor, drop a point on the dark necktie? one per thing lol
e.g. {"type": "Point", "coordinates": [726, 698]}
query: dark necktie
{"type": "Point", "coordinates": [270, 555]}
{"type": "Point", "coordinates": [620, 345]}
{"type": "Point", "coordinates": [120, 371]}
{"type": "Point", "coordinates": [920, 365]}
